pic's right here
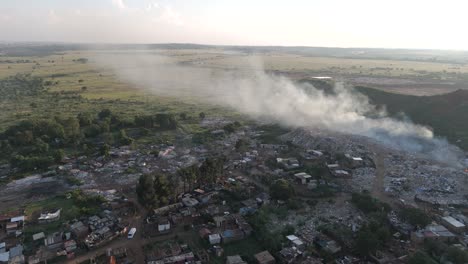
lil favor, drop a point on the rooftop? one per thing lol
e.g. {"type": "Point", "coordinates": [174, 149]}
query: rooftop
{"type": "Point", "coordinates": [264, 257]}
{"type": "Point", "coordinates": [454, 222]}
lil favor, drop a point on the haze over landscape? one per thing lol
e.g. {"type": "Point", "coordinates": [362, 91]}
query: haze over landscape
{"type": "Point", "coordinates": [363, 23]}
{"type": "Point", "coordinates": [238, 132]}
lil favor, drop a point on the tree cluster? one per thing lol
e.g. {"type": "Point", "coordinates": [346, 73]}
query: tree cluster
{"type": "Point", "coordinates": [153, 190]}
{"type": "Point", "coordinates": [20, 85]}
{"type": "Point", "coordinates": [366, 203]}
{"type": "Point", "coordinates": [207, 173]}
{"type": "Point", "coordinates": [281, 190]}
{"type": "Point", "coordinates": [162, 121]}
{"type": "Point", "coordinates": [415, 217]}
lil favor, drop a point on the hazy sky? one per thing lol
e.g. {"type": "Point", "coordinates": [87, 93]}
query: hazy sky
{"type": "Point", "coordinates": [337, 23]}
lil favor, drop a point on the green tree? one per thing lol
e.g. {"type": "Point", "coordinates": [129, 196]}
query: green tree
{"type": "Point", "coordinates": [23, 137]}
{"type": "Point", "coordinates": [415, 216]}
{"type": "Point", "coordinates": [162, 189]}
{"type": "Point", "coordinates": [58, 155]}
{"type": "Point", "coordinates": [456, 255]}
{"type": "Point", "coordinates": [49, 128]}
{"type": "Point", "coordinates": [104, 150]}
{"type": "Point", "coordinates": [71, 127]}
{"type": "Point", "coordinates": [242, 145]}
{"type": "Point", "coordinates": [145, 191]}
{"type": "Point", "coordinates": [166, 121]}
{"type": "Point", "coordinates": [420, 257]}
{"type": "Point", "coordinates": [153, 191]}
{"type": "Point", "coordinates": [210, 169]}
{"type": "Point", "coordinates": [230, 128]}
{"type": "Point", "coordinates": [124, 139]}
{"type": "Point", "coordinates": [105, 113]}
{"type": "Point", "coordinates": [189, 176]}
{"type": "Point", "coordinates": [366, 242]}
{"type": "Point", "coordinates": [366, 203]}
{"type": "Point", "coordinates": [281, 190]}
{"type": "Point", "coordinates": [85, 119]}
{"type": "Point", "coordinates": [202, 115]}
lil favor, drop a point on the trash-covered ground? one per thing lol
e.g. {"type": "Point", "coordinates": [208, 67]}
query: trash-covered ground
{"type": "Point", "coordinates": [407, 176]}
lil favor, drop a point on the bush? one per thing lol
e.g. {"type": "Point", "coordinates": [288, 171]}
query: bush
{"type": "Point", "coordinates": [367, 203]}
{"type": "Point", "coordinates": [281, 190]}
{"type": "Point", "coordinates": [415, 217]}
{"type": "Point", "coordinates": [421, 258]}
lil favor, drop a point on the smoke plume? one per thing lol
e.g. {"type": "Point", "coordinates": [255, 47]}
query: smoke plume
{"type": "Point", "coordinates": [250, 90]}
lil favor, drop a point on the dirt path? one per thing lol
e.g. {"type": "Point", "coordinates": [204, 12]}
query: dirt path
{"type": "Point", "coordinates": [378, 184]}
{"type": "Point", "coordinates": [378, 188]}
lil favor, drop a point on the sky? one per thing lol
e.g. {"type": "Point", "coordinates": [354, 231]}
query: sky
{"type": "Point", "coordinates": [425, 24]}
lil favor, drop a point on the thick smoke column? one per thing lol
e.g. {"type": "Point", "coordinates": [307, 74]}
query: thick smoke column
{"type": "Point", "coordinates": [261, 95]}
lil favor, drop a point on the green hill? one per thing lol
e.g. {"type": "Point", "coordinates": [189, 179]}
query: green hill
{"type": "Point", "coordinates": [446, 114]}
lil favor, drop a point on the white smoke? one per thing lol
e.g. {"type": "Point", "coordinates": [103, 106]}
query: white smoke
{"type": "Point", "coordinates": [260, 95]}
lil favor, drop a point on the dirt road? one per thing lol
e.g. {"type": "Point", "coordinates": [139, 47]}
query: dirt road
{"type": "Point", "coordinates": [378, 188]}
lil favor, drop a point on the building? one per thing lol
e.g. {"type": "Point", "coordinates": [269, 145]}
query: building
{"type": "Point", "coordinates": [302, 177]}
{"type": "Point", "coordinates": [354, 162]}
{"type": "Point", "coordinates": [164, 225]}
{"type": "Point", "coordinates": [70, 245]}
{"type": "Point", "coordinates": [341, 174]}
{"type": "Point", "coordinates": [167, 208]}
{"type": "Point", "coordinates": [204, 232]}
{"type": "Point", "coordinates": [38, 236]}
{"type": "Point", "coordinates": [328, 245]}
{"type": "Point", "coordinates": [54, 241]}
{"type": "Point", "coordinates": [214, 239]}
{"type": "Point", "coordinates": [16, 255]}
{"type": "Point", "coordinates": [231, 235]}
{"type": "Point", "coordinates": [433, 232]}
{"type": "Point", "coordinates": [219, 220]}
{"type": "Point", "coordinates": [190, 202]}
{"type": "Point", "coordinates": [264, 257]}
{"type": "Point", "coordinates": [288, 163]}
{"type": "Point", "coordinates": [453, 224]}
{"type": "Point", "coordinates": [79, 230]}
{"type": "Point", "coordinates": [296, 242]}
{"type": "Point", "coordinates": [236, 259]}
{"type": "Point", "coordinates": [11, 228]}
{"type": "Point", "coordinates": [289, 254]}
{"type": "Point", "coordinates": [49, 217]}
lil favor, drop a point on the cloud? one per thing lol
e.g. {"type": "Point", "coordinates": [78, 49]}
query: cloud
{"type": "Point", "coordinates": [151, 6]}
{"type": "Point", "coordinates": [53, 18]}
{"type": "Point", "coordinates": [119, 4]}
{"type": "Point", "coordinates": [170, 16]}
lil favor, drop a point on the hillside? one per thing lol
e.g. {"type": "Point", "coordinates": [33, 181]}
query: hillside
{"type": "Point", "coordinates": [446, 114]}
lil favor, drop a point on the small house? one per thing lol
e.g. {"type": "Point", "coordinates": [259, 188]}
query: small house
{"type": "Point", "coordinates": [54, 241]}
{"type": "Point", "coordinates": [49, 217]}
{"type": "Point", "coordinates": [79, 230]}
{"type": "Point", "coordinates": [214, 239]}
{"type": "Point", "coordinates": [453, 224]}
{"type": "Point", "coordinates": [302, 177]}
{"type": "Point", "coordinates": [164, 225]}
{"type": "Point", "coordinates": [264, 257]}
{"type": "Point", "coordinates": [236, 259]}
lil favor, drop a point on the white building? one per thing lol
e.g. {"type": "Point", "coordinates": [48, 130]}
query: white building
{"type": "Point", "coordinates": [214, 239]}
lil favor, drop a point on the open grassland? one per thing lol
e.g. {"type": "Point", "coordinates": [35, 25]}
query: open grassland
{"type": "Point", "coordinates": [65, 69]}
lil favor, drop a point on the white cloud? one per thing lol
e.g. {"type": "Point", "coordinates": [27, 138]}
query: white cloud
{"type": "Point", "coordinates": [119, 4]}
{"type": "Point", "coordinates": [152, 6]}
{"type": "Point", "coordinates": [170, 16]}
{"type": "Point", "coordinates": [53, 18]}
